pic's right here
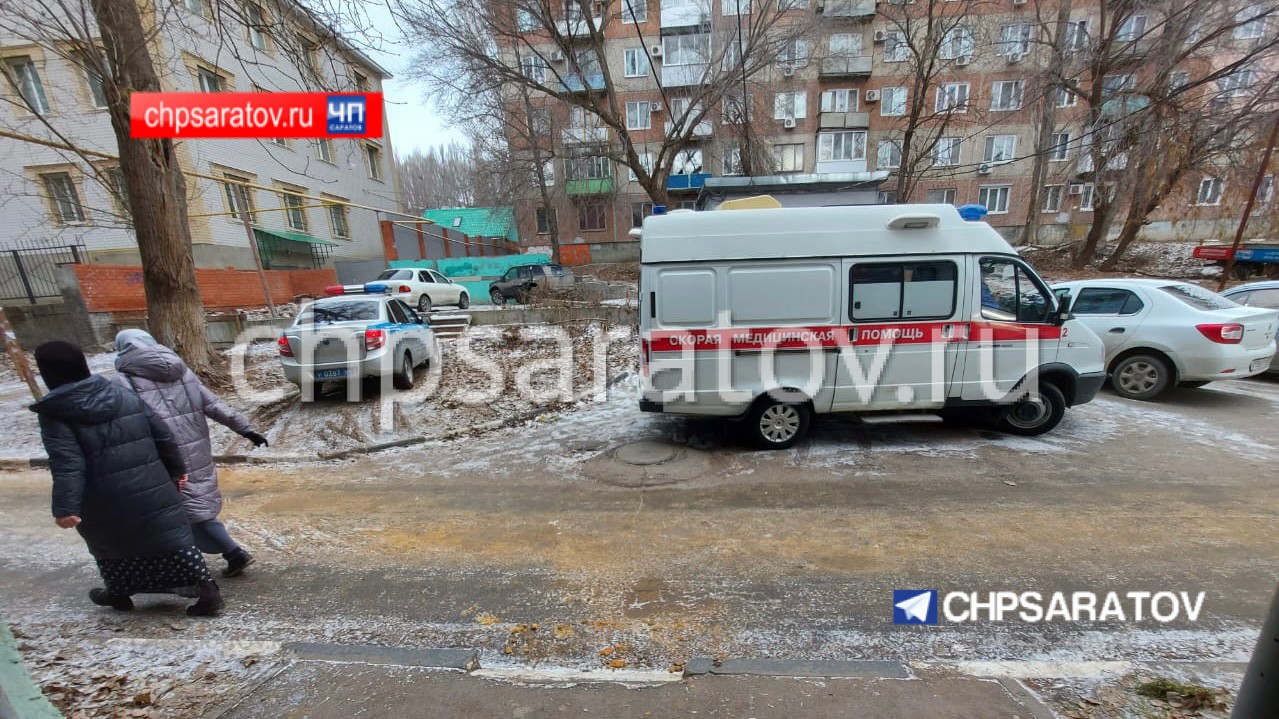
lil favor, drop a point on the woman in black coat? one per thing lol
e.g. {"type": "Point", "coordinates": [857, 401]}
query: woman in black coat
{"type": "Point", "coordinates": [116, 472]}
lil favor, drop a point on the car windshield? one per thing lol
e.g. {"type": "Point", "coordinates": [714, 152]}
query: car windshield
{"type": "Point", "coordinates": [344, 310]}
{"type": "Point", "coordinates": [1198, 297]}
{"type": "Point", "coordinates": [396, 275]}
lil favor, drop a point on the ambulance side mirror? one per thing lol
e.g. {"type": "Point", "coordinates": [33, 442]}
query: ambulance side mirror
{"type": "Point", "coordinates": [1063, 313]}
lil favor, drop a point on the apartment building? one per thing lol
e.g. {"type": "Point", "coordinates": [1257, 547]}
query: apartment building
{"type": "Point", "coordinates": [838, 101]}
{"type": "Point", "coordinates": [303, 196]}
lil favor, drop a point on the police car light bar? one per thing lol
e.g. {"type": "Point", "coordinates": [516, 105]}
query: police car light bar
{"type": "Point", "coordinates": [368, 288]}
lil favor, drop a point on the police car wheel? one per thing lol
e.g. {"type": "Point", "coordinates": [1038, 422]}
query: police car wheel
{"type": "Point", "coordinates": [424, 304]}
{"type": "Point", "coordinates": [403, 378]}
{"type": "Point", "coordinates": [1035, 412]}
{"type": "Point", "coordinates": [777, 425]}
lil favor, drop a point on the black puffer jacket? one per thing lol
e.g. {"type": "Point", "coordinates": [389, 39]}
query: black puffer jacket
{"type": "Point", "coordinates": [113, 465]}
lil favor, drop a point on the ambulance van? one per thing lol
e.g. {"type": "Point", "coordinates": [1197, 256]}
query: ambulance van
{"type": "Point", "coordinates": [896, 312]}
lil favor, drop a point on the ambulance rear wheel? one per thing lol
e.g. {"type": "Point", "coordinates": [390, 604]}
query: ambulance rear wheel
{"type": "Point", "coordinates": [1037, 411]}
{"type": "Point", "coordinates": [777, 425]}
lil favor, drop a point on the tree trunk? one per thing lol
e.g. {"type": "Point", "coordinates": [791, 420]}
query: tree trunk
{"type": "Point", "coordinates": [1096, 232]}
{"type": "Point", "coordinates": [157, 195]}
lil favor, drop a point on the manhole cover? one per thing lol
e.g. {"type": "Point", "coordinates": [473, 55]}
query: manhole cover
{"type": "Point", "coordinates": [644, 453]}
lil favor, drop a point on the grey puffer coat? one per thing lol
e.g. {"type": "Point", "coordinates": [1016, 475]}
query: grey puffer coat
{"type": "Point", "coordinates": [177, 396]}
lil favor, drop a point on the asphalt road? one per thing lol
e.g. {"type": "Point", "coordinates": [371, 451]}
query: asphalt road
{"type": "Point", "coordinates": [725, 552]}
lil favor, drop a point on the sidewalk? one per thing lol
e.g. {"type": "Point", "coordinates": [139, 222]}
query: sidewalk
{"type": "Point", "coordinates": [323, 690]}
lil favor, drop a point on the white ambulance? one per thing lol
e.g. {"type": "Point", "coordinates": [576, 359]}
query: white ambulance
{"type": "Point", "coordinates": [902, 312]}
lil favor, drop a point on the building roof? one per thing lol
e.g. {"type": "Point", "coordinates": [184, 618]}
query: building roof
{"type": "Point", "coordinates": [476, 221]}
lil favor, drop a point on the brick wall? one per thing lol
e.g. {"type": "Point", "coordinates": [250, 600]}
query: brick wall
{"type": "Point", "coordinates": [111, 288]}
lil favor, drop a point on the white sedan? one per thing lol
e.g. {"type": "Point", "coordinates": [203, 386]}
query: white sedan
{"type": "Point", "coordinates": [1160, 333]}
{"type": "Point", "coordinates": [423, 288]}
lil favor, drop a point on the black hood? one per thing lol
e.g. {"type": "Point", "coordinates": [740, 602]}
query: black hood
{"type": "Point", "coordinates": [89, 401]}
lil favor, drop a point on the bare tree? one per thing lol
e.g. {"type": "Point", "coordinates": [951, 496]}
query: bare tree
{"type": "Point", "coordinates": [447, 176]}
{"type": "Point", "coordinates": [556, 50]}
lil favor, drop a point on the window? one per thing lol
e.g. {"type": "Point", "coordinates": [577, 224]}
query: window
{"type": "Point", "coordinates": [30, 87]}
{"type": "Point", "coordinates": [952, 97]}
{"type": "Point", "coordinates": [790, 105]}
{"type": "Point", "coordinates": [337, 220]}
{"type": "Point", "coordinates": [64, 200]}
{"type": "Point", "coordinates": [892, 101]}
{"type": "Point", "coordinates": [839, 101]}
{"type": "Point", "coordinates": [591, 216]}
{"type": "Point", "coordinates": [841, 146]}
{"type": "Point", "coordinates": [687, 162]}
{"type": "Point", "coordinates": [694, 49]}
{"type": "Point", "coordinates": [1178, 79]}
{"type": "Point", "coordinates": [539, 121]}
{"type": "Point", "coordinates": [1209, 191]}
{"type": "Point", "coordinates": [889, 155]}
{"type": "Point", "coordinates": [235, 189]}
{"type": "Point", "coordinates": [281, 141]}
{"type": "Point", "coordinates": [544, 216]}
{"type": "Point", "coordinates": [638, 115]}
{"type": "Point", "coordinates": [995, 198]}
{"type": "Point", "coordinates": [210, 81]}
{"type": "Point", "coordinates": [1105, 301]}
{"type": "Point", "coordinates": [1087, 197]}
{"type": "Point", "coordinates": [634, 10]}
{"type": "Point", "coordinates": [1015, 39]}
{"type": "Point", "coordinates": [548, 173]}
{"type": "Point", "coordinates": [324, 150]}
{"type": "Point", "coordinates": [738, 110]}
{"type": "Point", "coordinates": [589, 167]}
{"type": "Point", "coordinates": [646, 162]}
{"type": "Point", "coordinates": [1266, 192]}
{"type": "Point", "coordinates": [1059, 147]}
{"type": "Point", "coordinates": [845, 45]}
{"type": "Point", "coordinates": [97, 93]}
{"type": "Point", "coordinates": [119, 190]}
{"type": "Point", "coordinates": [534, 68]}
{"type": "Point", "coordinates": [361, 82]}
{"type": "Point", "coordinates": [791, 4]}
{"type": "Point", "coordinates": [956, 43]}
{"type": "Point", "coordinates": [636, 62]}
{"type": "Point", "coordinates": [1237, 83]}
{"type": "Point", "coordinates": [737, 7]}
{"type": "Point", "coordinates": [373, 158]}
{"type": "Point", "coordinates": [294, 212]}
{"type": "Point", "coordinates": [1198, 297]}
{"type": "Point", "coordinates": [1006, 95]}
{"type": "Point", "coordinates": [1112, 85]}
{"type": "Point", "coordinates": [1010, 293]}
{"type": "Point", "coordinates": [255, 23]}
{"type": "Point", "coordinates": [886, 197]}
{"type": "Point", "coordinates": [1267, 298]}
{"type": "Point", "coordinates": [1052, 198]}
{"type": "Point", "coordinates": [946, 151]}
{"type": "Point", "coordinates": [1133, 27]}
{"type": "Point", "coordinates": [1000, 148]}
{"type": "Point", "coordinates": [789, 157]}
{"type": "Point", "coordinates": [1076, 35]}
{"type": "Point", "coordinates": [794, 55]}
{"type": "Point", "coordinates": [1252, 23]}
{"type": "Point", "coordinates": [640, 210]}
{"type": "Point", "coordinates": [915, 290]}
{"type": "Point", "coordinates": [1064, 97]}
{"type": "Point", "coordinates": [194, 6]}
{"type": "Point", "coordinates": [732, 162]}
{"type": "Point", "coordinates": [942, 196]}
{"type": "Point", "coordinates": [895, 47]}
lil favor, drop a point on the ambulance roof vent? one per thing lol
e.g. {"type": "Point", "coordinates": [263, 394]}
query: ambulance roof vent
{"type": "Point", "coordinates": [914, 222]}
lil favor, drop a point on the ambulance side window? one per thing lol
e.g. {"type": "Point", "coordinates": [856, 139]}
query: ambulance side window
{"type": "Point", "coordinates": [1011, 293]}
{"type": "Point", "coordinates": [902, 290]}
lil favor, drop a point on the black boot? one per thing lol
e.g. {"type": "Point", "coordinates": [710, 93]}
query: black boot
{"type": "Point", "coordinates": [102, 598]}
{"type": "Point", "coordinates": [210, 602]}
{"type": "Point", "coordinates": [236, 562]}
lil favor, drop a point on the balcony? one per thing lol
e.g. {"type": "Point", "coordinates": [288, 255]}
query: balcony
{"type": "Point", "coordinates": [845, 66]}
{"type": "Point", "coordinates": [702, 129]}
{"type": "Point", "coordinates": [684, 75]}
{"type": "Point", "coordinates": [850, 9]}
{"type": "Point", "coordinates": [685, 13]}
{"type": "Point", "coordinates": [844, 120]}
{"type": "Point", "coordinates": [594, 186]}
{"type": "Point", "coordinates": [695, 181]}
{"type": "Point", "coordinates": [584, 136]}
{"type": "Point", "coordinates": [594, 83]}
{"type": "Point", "coordinates": [577, 29]}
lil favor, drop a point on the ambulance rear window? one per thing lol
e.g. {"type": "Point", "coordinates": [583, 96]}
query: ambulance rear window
{"type": "Point", "coordinates": [902, 290]}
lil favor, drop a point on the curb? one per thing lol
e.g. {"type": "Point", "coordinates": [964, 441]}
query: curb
{"type": "Point", "coordinates": [465, 660]}
{"type": "Point", "coordinates": [20, 696]}
{"type": "Point", "coordinates": [843, 669]}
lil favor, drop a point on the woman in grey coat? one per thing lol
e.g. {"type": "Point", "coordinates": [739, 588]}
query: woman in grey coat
{"type": "Point", "coordinates": [177, 396]}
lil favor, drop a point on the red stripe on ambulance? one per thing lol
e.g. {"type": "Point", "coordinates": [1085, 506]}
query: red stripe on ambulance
{"type": "Point", "coordinates": [833, 336]}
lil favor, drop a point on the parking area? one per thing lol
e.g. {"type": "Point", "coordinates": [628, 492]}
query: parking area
{"type": "Point", "coordinates": [597, 534]}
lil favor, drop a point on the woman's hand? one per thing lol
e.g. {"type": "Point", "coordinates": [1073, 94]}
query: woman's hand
{"type": "Point", "coordinates": [257, 439]}
{"type": "Point", "coordinates": [181, 482]}
{"type": "Point", "coordinates": [70, 522]}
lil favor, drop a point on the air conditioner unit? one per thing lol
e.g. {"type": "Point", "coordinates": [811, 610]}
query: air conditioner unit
{"type": "Point", "coordinates": [557, 56]}
{"type": "Point", "coordinates": [872, 96]}
{"type": "Point", "coordinates": [1014, 57]}
{"type": "Point", "coordinates": [655, 51]}
{"type": "Point", "coordinates": [984, 168]}
{"type": "Point", "coordinates": [655, 106]}
{"type": "Point", "coordinates": [1076, 188]}
{"type": "Point", "coordinates": [963, 60]}
{"type": "Point", "coordinates": [789, 123]}
{"type": "Point", "coordinates": [788, 71]}
{"type": "Point", "coordinates": [880, 36]}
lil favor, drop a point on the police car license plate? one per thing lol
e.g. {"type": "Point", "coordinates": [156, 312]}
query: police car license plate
{"type": "Point", "coordinates": [330, 374]}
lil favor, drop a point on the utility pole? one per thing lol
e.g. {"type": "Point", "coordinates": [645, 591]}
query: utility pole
{"type": "Point", "coordinates": [1259, 693]}
{"type": "Point", "coordinates": [1247, 208]}
{"type": "Point", "coordinates": [253, 245]}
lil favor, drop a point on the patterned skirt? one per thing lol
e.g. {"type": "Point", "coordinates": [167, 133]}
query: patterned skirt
{"type": "Point", "coordinates": [154, 575]}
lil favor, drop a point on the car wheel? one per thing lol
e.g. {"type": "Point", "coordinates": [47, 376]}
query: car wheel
{"type": "Point", "coordinates": [463, 301]}
{"type": "Point", "coordinates": [403, 378]}
{"type": "Point", "coordinates": [1035, 412]}
{"type": "Point", "coordinates": [497, 297]}
{"type": "Point", "coordinates": [424, 304]}
{"type": "Point", "coordinates": [316, 391]}
{"type": "Point", "coordinates": [777, 425]}
{"type": "Point", "coordinates": [1141, 377]}
{"type": "Point", "coordinates": [1193, 385]}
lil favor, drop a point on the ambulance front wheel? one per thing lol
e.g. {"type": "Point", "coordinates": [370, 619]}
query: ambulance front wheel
{"type": "Point", "coordinates": [773, 424]}
{"type": "Point", "coordinates": [1038, 410]}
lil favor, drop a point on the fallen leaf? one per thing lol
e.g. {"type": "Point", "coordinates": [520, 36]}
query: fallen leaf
{"type": "Point", "coordinates": [607, 651]}
{"type": "Point", "coordinates": [142, 700]}
{"type": "Point", "coordinates": [617, 664]}
{"type": "Point", "coordinates": [1010, 483]}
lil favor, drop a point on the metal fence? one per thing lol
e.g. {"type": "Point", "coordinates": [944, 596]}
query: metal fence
{"type": "Point", "coordinates": [28, 272]}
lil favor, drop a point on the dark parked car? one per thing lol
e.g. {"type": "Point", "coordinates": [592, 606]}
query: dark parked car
{"type": "Point", "coordinates": [521, 280]}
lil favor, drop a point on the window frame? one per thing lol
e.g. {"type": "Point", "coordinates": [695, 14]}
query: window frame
{"type": "Point", "coordinates": [336, 210]}
{"type": "Point", "coordinates": [955, 145]}
{"type": "Point", "coordinates": [1007, 192]}
{"type": "Point", "coordinates": [634, 12]}
{"type": "Point", "coordinates": [592, 210]}
{"type": "Point", "coordinates": [1211, 181]}
{"type": "Point", "coordinates": [879, 155]}
{"type": "Point", "coordinates": [943, 91]}
{"type": "Point", "coordinates": [789, 149]}
{"type": "Point", "coordinates": [28, 81]}
{"type": "Point", "coordinates": [1021, 268]}
{"type": "Point", "coordinates": [901, 294]}
{"type": "Point", "coordinates": [884, 102]}
{"type": "Point", "coordinates": [1014, 97]}
{"type": "Point", "coordinates": [1056, 191]}
{"type": "Point", "coordinates": [287, 198]}
{"type": "Point", "coordinates": [1059, 151]}
{"type": "Point", "coordinates": [67, 195]}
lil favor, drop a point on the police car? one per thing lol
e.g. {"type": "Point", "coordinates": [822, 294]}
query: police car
{"type": "Point", "coordinates": [353, 333]}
